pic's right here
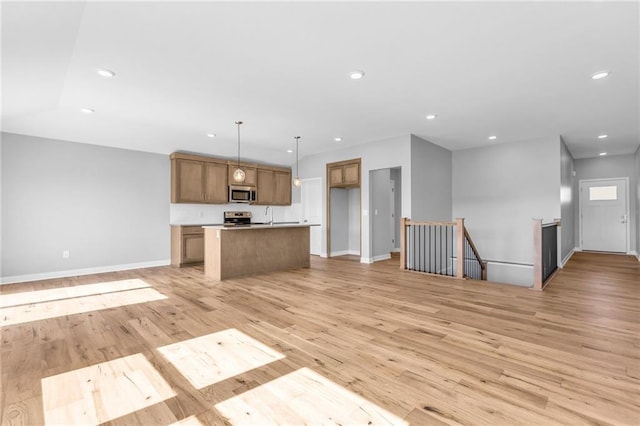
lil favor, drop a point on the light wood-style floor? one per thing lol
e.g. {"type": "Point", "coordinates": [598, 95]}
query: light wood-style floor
{"type": "Point", "coordinates": [425, 350]}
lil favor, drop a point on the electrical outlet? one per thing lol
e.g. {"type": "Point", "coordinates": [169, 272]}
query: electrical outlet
{"type": "Point", "coordinates": [65, 254]}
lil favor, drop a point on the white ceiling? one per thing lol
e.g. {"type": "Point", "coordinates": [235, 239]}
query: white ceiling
{"type": "Point", "coordinates": [515, 70]}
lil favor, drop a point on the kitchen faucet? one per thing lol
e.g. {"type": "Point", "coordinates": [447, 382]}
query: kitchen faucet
{"type": "Point", "coordinates": [266, 211]}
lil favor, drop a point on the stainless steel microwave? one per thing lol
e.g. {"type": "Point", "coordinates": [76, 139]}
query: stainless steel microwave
{"type": "Point", "coordinates": [242, 194]}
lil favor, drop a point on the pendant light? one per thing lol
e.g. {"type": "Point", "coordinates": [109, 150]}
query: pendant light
{"type": "Point", "coordinates": [296, 179]}
{"type": "Point", "coordinates": [238, 174]}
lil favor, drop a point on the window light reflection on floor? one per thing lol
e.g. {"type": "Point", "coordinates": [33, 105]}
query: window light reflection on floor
{"type": "Point", "coordinates": [103, 392]}
{"type": "Point", "coordinates": [304, 397]}
{"type": "Point", "coordinates": [43, 304]}
{"type": "Point", "coordinates": [218, 356]}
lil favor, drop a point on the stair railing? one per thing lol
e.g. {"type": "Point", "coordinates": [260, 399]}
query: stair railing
{"type": "Point", "coordinates": [545, 252]}
{"type": "Point", "coordinates": [440, 248]}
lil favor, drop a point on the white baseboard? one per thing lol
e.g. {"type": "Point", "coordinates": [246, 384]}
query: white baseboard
{"type": "Point", "coordinates": [381, 257]}
{"type": "Point", "coordinates": [86, 271]}
{"type": "Point", "coordinates": [345, 253]}
{"type": "Point", "coordinates": [395, 250]}
{"type": "Point", "coordinates": [568, 256]}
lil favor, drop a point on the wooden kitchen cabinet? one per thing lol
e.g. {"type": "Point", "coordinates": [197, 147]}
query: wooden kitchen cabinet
{"type": "Point", "coordinates": [196, 179]}
{"type": "Point", "coordinates": [206, 180]}
{"type": "Point", "coordinates": [187, 244]}
{"type": "Point", "coordinates": [274, 186]}
{"type": "Point", "coordinates": [282, 192]}
{"type": "Point", "coordinates": [250, 173]}
{"type": "Point", "coordinates": [344, 174]}
{"type": "Point", "coordinates": [266, 187]}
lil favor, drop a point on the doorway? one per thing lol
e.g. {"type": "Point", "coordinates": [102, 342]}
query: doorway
{"type": "Point", "coordinates": [385, 205]}
{"type": "Point", "coordinates": [604, 216]}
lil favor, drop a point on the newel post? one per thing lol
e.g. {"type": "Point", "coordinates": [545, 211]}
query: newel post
{"type": "Point", "coordinates": [403, 243]}
{"type": "Point", "coordinates": [537, 254]}
{"type": "Point", "coordinates": [460, 247]}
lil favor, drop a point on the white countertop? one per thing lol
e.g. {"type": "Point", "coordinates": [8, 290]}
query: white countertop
{"type": "Point", "coordinates": [257, 226]}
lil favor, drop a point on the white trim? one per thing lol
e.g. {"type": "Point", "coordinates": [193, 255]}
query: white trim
{"type": "Point", "coordinates": [345, 253]}
{"type": "Point", "coordinates": [381, 257]}
{"type": "Point", "coordinates": [395, 250]}
{"type": "Point", "coordinates": [567, 257]}
{"type": "Point", "coordinates": [84, 271]}
{"type": "Point", "coordinates": [627, 190]}
{"type": "Point", "coordinates": [515, 265]}
{"type": "Point", "coordinates": [366, 260]}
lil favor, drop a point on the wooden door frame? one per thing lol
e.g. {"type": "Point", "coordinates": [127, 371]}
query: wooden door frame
{"type": "Point", "coordinates": [628, 225]}
{"type": "Point", "coordinates": [328, 200]}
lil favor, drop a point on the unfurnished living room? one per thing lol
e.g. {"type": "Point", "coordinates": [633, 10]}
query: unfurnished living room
{"type": "Point", "coordinates": [313, 213]}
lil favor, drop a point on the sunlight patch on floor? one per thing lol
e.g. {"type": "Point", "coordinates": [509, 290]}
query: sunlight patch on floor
{"type": "Point", "coordinates": [77, 305]}
{"type": "Point", "coordinates": [189, 421]}
{"type": "Point", "coordinates": [303, 397]}
{"type": "Point", "coordinates": [215, 357]}
{"type": "Point", "coordinates": [39, 296]}
{"type": "Point", "coordinates": [103, 392]}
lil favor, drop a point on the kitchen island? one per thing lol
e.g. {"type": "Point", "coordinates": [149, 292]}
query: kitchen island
{"type": "Point", "coordinates": [254, 249]}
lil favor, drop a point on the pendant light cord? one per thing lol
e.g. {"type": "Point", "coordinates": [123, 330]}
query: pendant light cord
{"type": "Point", "coordinates": [238, 123]}
{"type": "Point", "coordinates": [297, 140]}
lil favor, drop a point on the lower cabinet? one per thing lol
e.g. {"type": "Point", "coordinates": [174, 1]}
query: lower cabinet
{"type": "Point", "coordinates": [187, 244]}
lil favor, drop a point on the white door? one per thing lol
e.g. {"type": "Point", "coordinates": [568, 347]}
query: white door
{"type": "Point", "coordinates": [311, 197]}
{"type": "Point", "coordinates": [603, 215]}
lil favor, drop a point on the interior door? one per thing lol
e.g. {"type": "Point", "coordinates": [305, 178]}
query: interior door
{"type": "Point", "coordinates": [311, 197]}
{"type": "Point", "coordinates": [603, 215]}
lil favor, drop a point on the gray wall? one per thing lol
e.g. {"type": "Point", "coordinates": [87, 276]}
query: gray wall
{"type": "Point", "coordinates": [354, 220]}
{"type": "Point", "coordinates": [613, 166]}
{"type": "Point", "coordinates": [339, 221]}
{"type": "Point", "coordinates": [107, 206]}
{"type": "Point", "coordinates": [568, 202]}
{"type": "Point", "coordinates": [431, 174]}
{"type": "Point", "coordinates": [386, 153]}
{"type": "Point", "coordinates": [499, 190]}
{"type": "Point", "coordinates": [638, 202]}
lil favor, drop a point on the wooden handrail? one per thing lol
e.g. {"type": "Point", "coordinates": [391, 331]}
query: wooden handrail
{"type": "Point", "coordinates": [427, 222]}
{"type": "Point", "coordinates": [473, 247]}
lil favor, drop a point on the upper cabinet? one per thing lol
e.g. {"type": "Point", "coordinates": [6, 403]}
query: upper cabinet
{"type": "Point", "coordinates": [200, 179]}
{"type": "Point", "coordinates": [250, 173]}
{"type": "Point", "coordinates": [196, 179]}
{"type": "Point", "coordinates": [274, 186]}
{"type": "Point", "coordinates": [344, 174]}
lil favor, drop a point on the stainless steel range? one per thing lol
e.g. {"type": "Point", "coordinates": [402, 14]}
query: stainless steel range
{"type": "Point", "coordinates": [237, 218]}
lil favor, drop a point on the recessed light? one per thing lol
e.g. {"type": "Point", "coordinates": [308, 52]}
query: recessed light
{"type": "Point", "coordinates": [602, 154]}
{"type": "Point", "coordinates": [103, 72]}
{"type": "Point", "coordinates": [356, 75]}
{"type": "Point", "coordinates": [492, 138]}
{"type": "Point", "coordinates": [603, 136]}
{"type": "Point", "coordinates": [431, 116]}
{"type": "Point", "coordinates": [211, 135]}
{"type": "Point", "coordinates": [600, 74]}
{"type": "Point", "coordinates": [87, 110]}
{"type": "Point", "coordinates": [337, 139]}
{"type": "Point", "coordinates": [290, 151]}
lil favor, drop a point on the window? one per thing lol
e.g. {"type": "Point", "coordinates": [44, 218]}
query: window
{"type": "Point", "coordinates": [603, 193]}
